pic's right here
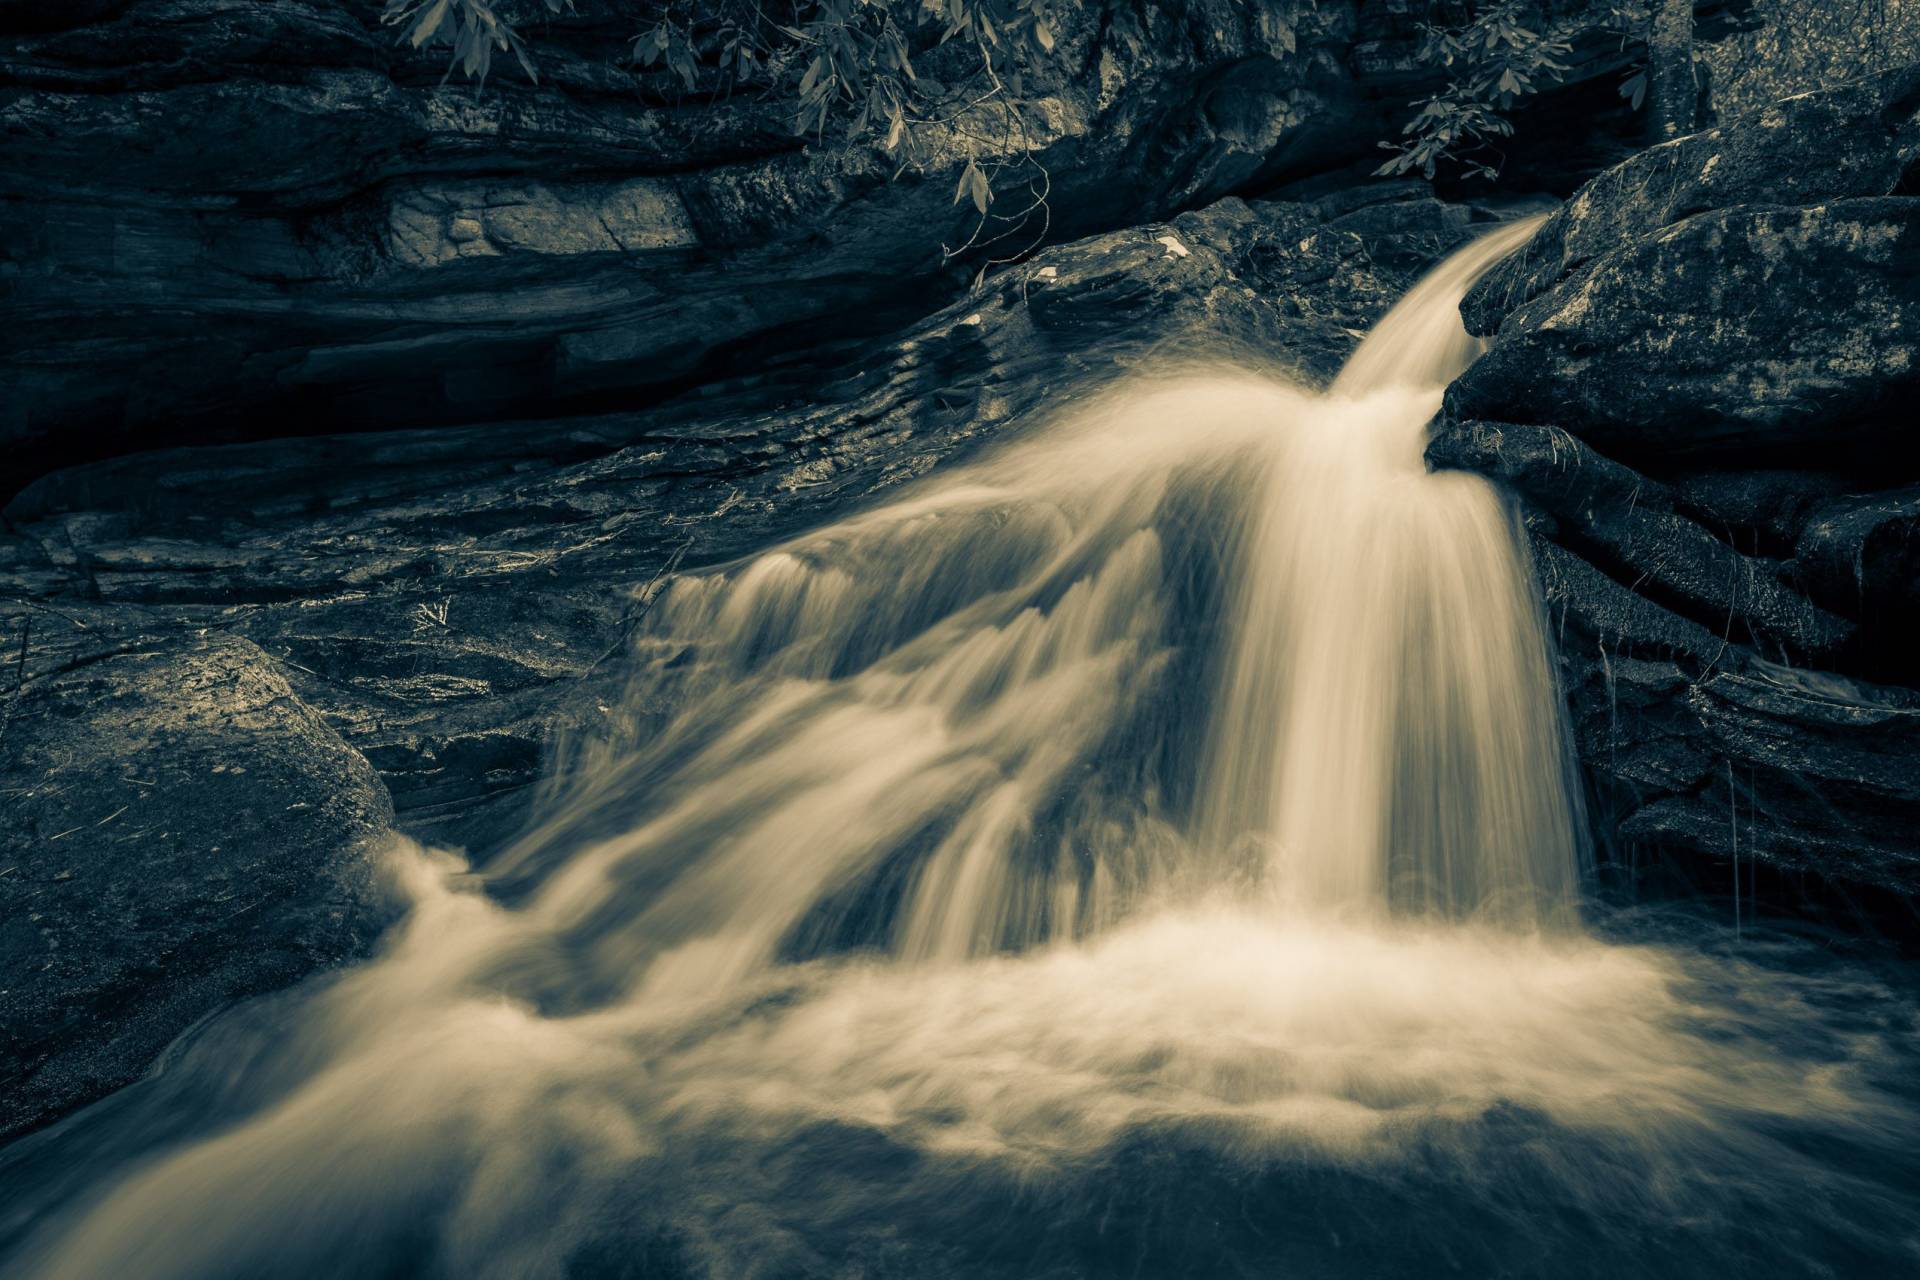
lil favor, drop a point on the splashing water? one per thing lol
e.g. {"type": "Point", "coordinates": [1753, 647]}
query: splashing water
{"type": "Point", "coordinates": [1147, 851]}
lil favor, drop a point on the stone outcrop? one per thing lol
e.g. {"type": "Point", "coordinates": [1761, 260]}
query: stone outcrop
{"type": "Point", "coordinates": [1700, 388]}
{"type": "Point", "coordinates": [438, 594]}
{"type": "Point", "coordinates": [177, 831]}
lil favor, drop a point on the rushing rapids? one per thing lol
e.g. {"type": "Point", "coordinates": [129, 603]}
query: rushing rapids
{"type": "Point", "coordinates": [1148, 850]}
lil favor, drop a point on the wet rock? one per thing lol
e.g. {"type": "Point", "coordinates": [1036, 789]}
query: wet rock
{"type": "Point", "coordinates": [1755, 330]}
{"type": "Point", "coordinates": [180, 831]}
{"type": "Point", "coordinates": [1713, 346]}
{"type": "Point", "coordinates": [445, 597]}
{"type": "Point", "coordinates": [1858, 139]}
{"type": "Point", "coordinates": [1630, 526]}
{"type": "Point", "coordinates": [1700, 754]}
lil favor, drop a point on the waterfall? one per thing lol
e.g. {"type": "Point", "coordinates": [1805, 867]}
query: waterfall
{"type": "Point", "coordinates": [1391, 722]}
{"type": "Point", "coordinates": [974, 719]}
{"type": "Point", "coordinates": [1157, 831]}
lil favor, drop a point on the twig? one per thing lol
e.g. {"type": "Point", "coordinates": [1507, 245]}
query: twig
{"type": "Point", "coordinates": [648, 594]}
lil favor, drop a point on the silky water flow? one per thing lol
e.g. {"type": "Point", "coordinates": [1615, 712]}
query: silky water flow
{"type": "Point", "coordinates": [1148, 850]}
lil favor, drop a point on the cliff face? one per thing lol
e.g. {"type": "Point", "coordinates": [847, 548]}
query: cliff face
{"type": "Point", "coordinates": [1701, 387]}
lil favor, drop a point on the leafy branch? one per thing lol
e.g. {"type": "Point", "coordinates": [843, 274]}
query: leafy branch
{"type": "Point", "coordinates": [1504, 54]}
{"type": "Point", "coordinates": [473, 29]}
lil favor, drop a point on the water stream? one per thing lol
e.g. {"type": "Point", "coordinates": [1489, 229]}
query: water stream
{"type": "Point", "coordinates": [1149, 850]}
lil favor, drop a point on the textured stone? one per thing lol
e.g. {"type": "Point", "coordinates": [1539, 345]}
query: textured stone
{"type": "Point", "coordinates": [180, 831]}
{"type": "Point", "coordinates": [1737, 330]}
{"type": "Point", "coordinates": [1713, 345]}
{"type": "Point", "coordinates": [445, 597]}
{"type": "Point", "coordinates": [228, 219]}
{"type": "Point", "coordinates": [1858, 139]}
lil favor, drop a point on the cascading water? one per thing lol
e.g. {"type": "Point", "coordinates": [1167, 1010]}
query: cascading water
{"type": "Point", "coordinates": [1391, 722]}
{"type": "Point", "coordinates": [1146, 851]}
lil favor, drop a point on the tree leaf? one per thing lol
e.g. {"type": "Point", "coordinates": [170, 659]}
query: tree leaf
{"type": "Point", "coordinates": [1635, 89]}
{"type": "Point", "coordinates": [427, 24]}
{"type": "Point", "coordinates": [964, 187]}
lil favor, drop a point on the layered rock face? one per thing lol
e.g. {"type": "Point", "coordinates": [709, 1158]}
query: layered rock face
{"type": "Point", "coordinates": [226, 220]}
{"type": "Point", "coordinates": [1701, 385]}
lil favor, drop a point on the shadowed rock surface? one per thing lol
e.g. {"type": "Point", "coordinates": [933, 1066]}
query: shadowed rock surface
{"type": "Point", "coordinates": [177, 831]}
{"type": "Point", "coordinates": [436, 593]}
{"type": "Point", "coordinates": [1700, 388]}
{"type": "Point", "coordinates": [229, 219]}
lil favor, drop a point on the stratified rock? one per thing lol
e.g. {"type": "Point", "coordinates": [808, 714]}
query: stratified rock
{"type": "Point", "coordinates": [1700, 742]}
{"type": "Point", "coordinates": [177, 831]}
{"type": "Point", "coordinates": [228, 219]}
{"type": "Point", "coordinates": [439, 595]}
{"type": "Point", "coordinates": [1700, 753]}
{"type": "Point", "coordinates": [1715, 347]}
{"type": "Point", "coordinates": [1630, 526]}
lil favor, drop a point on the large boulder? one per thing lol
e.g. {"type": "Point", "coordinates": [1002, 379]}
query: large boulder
{"type": "Point", "coordinates": [1751, 287]}
{"type": "Point", "coordinates": [1699, 389]}
{"type": "Point", "coordinates": [1860, 139]}
{"type": "Point", "coordinates": [1752, 330]}
{"type": "Point", "coordinates": [177, 831]}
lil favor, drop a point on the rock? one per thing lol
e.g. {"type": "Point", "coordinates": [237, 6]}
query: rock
{"type": "Point", "coordinates": [1699, 748]}
{"type": "Point", "coordinates": [1859, 139]}
{"type": "Point", "coordinates": [1698, 390]}
{"type": "Point", "coordinates": [366, 247]}
{"type": "Point", "coordinates": [180, 831]}
{"type": "Point", "coordinates": [225, 220]}
{"type": "Point", "coordinates": [1754, 287]}
{"type": "Point", "coordinates": [1630, 527]}
{"type": "Point", "coordinates": [446, 597]}
{"type": "Point", "coordinates": [1763, 509]}
{"type": "Point", "coordinates": [1755, 330]}
{"type": "Point", "coordinates": [1862, 554]}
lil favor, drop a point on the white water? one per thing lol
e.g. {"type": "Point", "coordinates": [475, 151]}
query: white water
{"type": "Point", "coordinates": [1188, 770]}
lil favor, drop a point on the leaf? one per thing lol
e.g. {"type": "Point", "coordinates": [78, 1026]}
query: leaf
{"type": "Point", "coordinates": [962, 188]}
{"type": "Point", "coordinates": [1043, 35]}
{"type": "Point", "coordinates": [428, 23]}
{"type": "Point", "coordinates": [1635, 89]}
{"type": "Point", "coordinates": [973, 185]}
